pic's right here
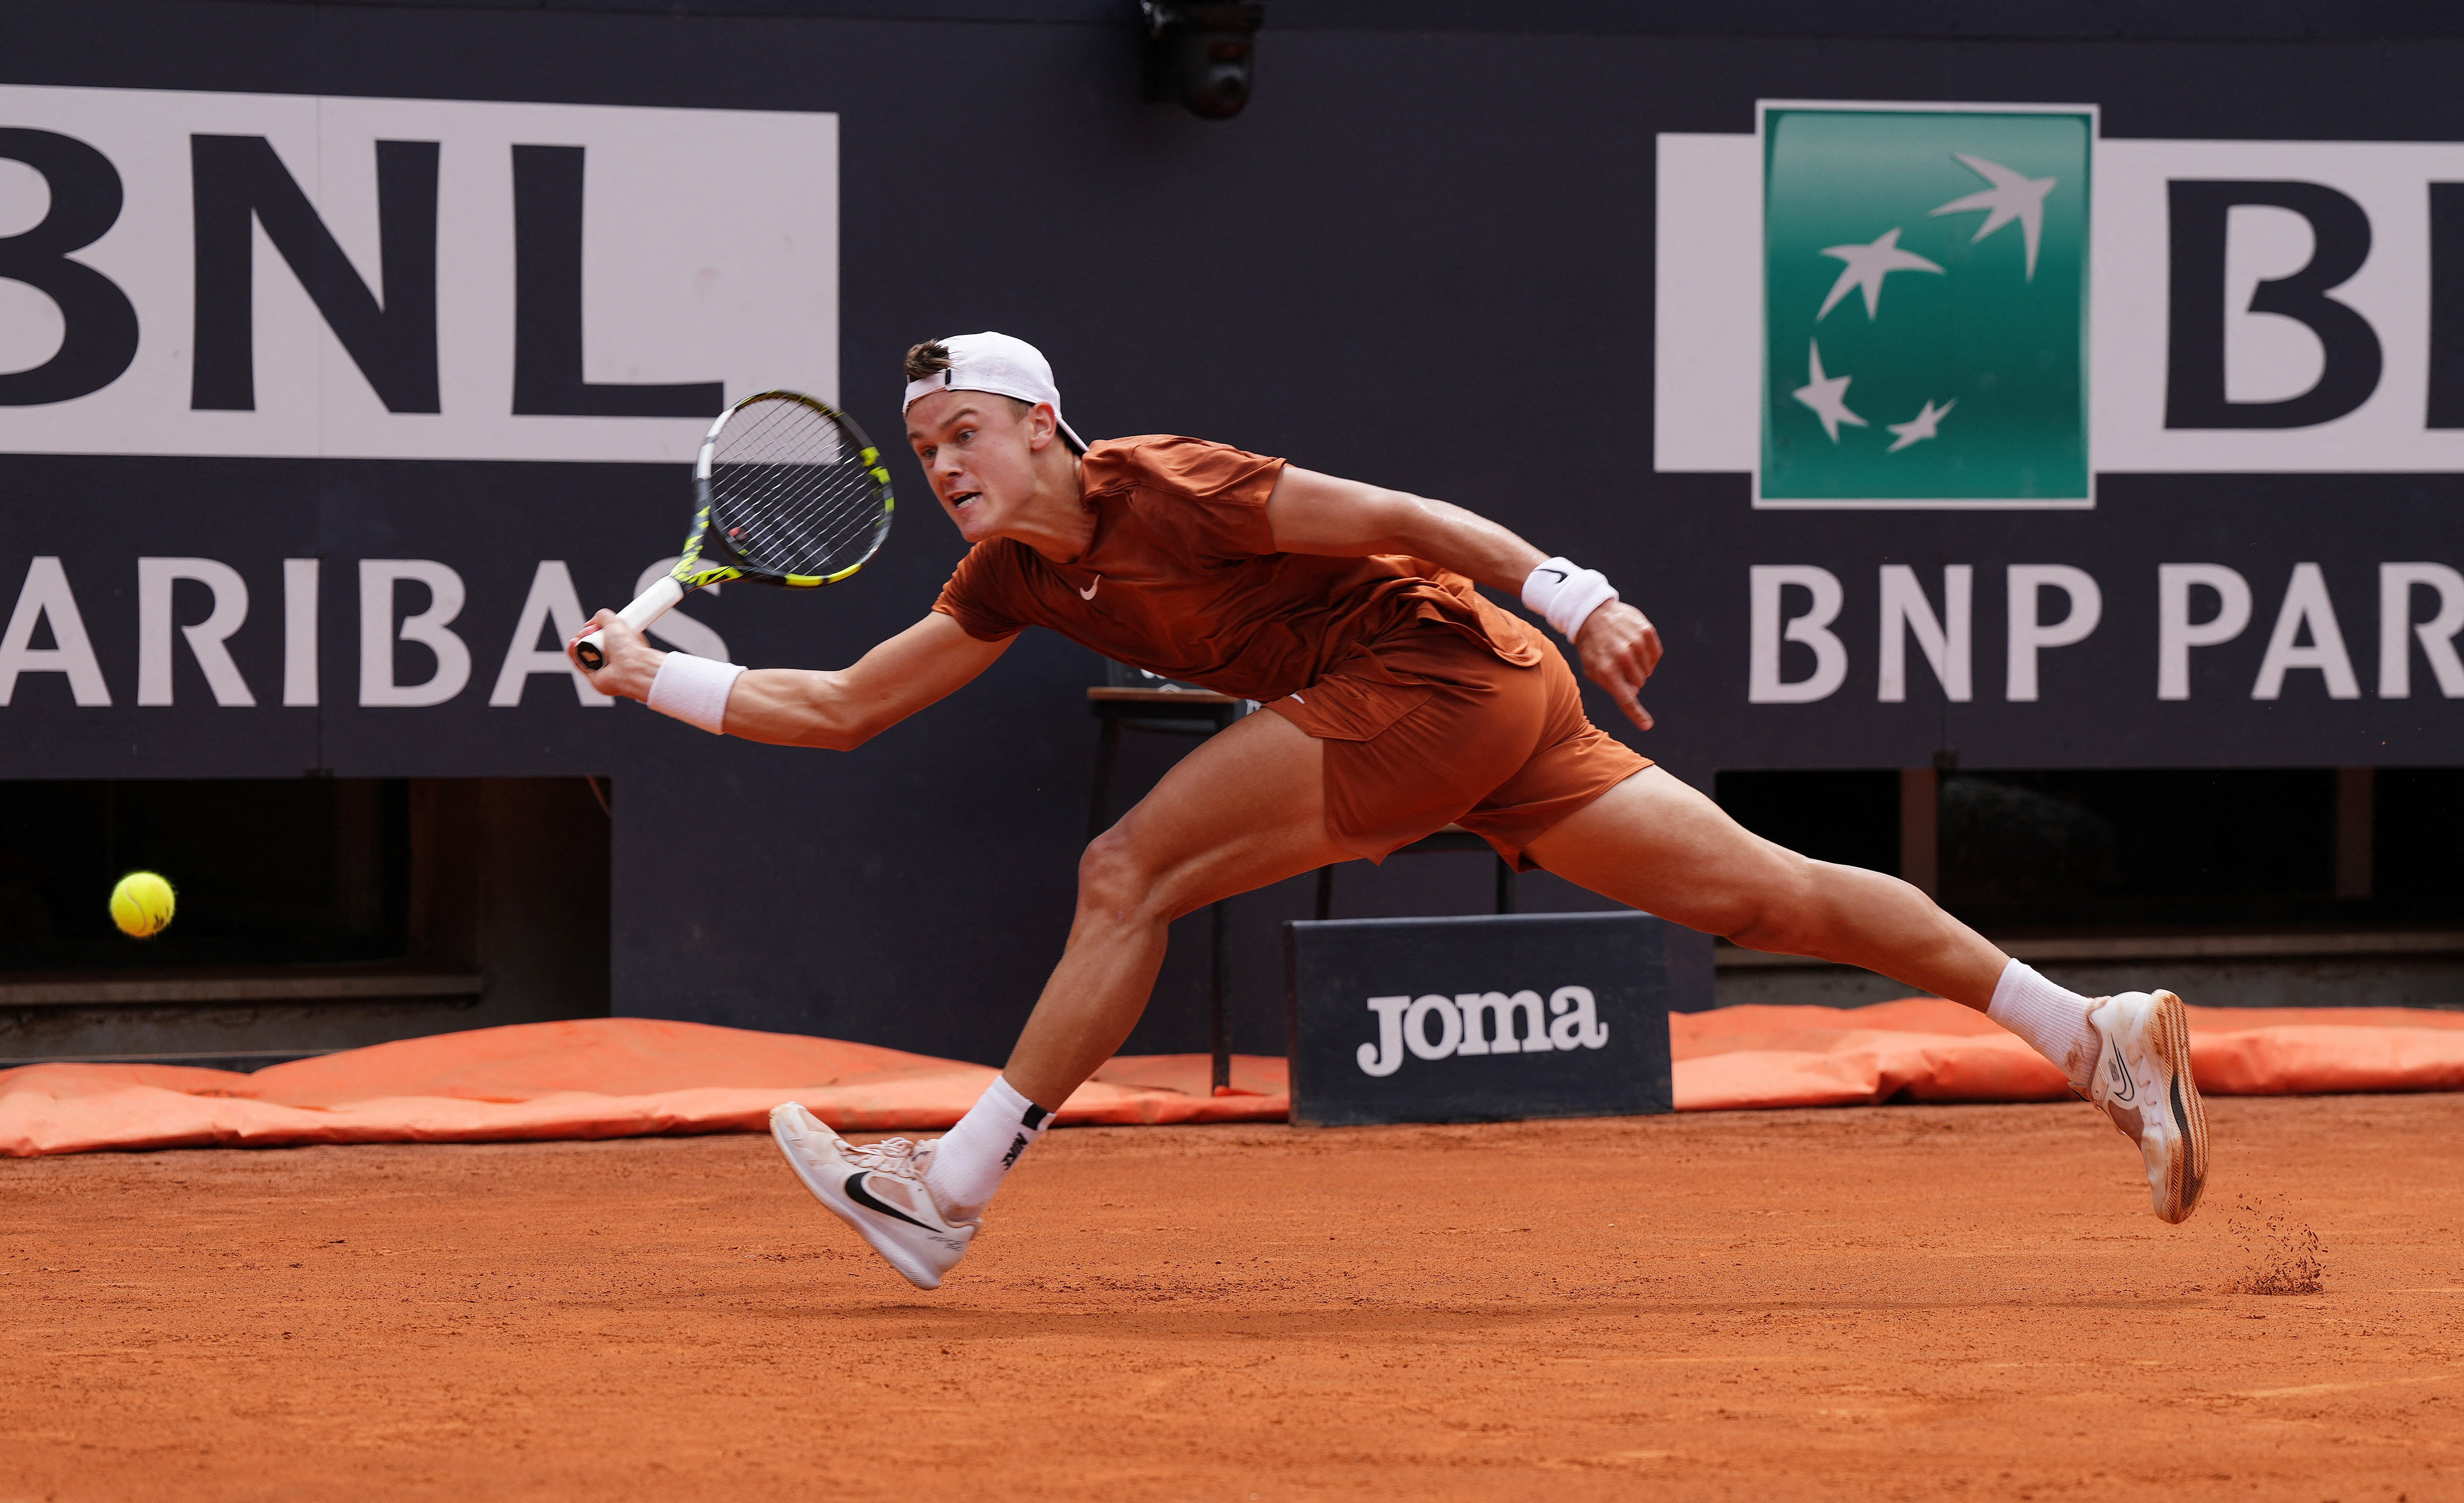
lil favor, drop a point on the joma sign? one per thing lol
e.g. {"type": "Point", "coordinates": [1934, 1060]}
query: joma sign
{"type": "Point", "coordinates": [1473, 1023]}
{"type": "Point", "coordinates": [291, 275]}
{"type": "Point", "coordinates": [1453, 1038]}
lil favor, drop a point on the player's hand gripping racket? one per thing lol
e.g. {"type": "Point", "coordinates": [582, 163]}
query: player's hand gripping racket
{"type": "Point", "coordinates": [788, 492]}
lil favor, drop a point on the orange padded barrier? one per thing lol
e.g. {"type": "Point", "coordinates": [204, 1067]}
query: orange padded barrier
{"type": "Point", "coordinates": [1926, 1050]}
{"type": "Point", "coordinates": [625, 1078]}
{"type": "Point", "coordinates": [601, 1077]}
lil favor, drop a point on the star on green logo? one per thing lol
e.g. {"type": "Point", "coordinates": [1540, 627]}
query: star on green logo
{"type": "Point", "coordinates": [1925, 306]}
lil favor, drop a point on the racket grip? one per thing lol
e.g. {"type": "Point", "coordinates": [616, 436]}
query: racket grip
{"type": "Point", "coordinates": [655, 602]}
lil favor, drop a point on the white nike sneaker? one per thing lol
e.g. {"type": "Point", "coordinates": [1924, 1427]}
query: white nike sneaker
{"type": "Point", "coordinates": [2143, 1082]}
{"type": "Point", "coordinates": [878, 1189]}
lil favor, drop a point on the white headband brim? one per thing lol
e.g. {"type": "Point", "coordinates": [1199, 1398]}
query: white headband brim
{"type": "Point", "coordinates": [949, 379]}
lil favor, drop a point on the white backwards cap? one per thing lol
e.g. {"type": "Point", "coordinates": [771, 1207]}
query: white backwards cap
{"type": "Point", "coordinates": [1000, 365]}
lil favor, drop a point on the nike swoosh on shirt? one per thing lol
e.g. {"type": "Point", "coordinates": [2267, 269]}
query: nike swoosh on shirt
{"type": "Point", "coordinates": [1088, 593]}
{"type": "Point", "coordinates": [856, 1192]}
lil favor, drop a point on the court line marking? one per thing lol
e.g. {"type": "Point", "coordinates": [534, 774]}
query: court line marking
{"type": "Point", "coordinates": [2376, 1383]}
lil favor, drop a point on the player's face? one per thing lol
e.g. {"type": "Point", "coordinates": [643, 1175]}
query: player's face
{"type": "Point", "coordinates": [979, 452]}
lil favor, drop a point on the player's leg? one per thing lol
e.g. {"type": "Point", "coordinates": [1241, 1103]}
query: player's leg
{"type": "Point", "coordinates": [1662, 847]}
{"type": "Point", "coordinates": [1245, 808]}
{"type": "Point", "coordinates": [1656, 844]}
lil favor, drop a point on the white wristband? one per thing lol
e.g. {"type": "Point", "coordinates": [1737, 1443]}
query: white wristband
{"type": "Point", "coordinates": [1565, 596]}
{"type": "Point", "coordinates": [695, 689]}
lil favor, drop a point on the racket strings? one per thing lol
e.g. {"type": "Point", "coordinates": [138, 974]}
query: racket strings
{"type": "Point", "coordinates": [793, 472]}
{"type": "Point", "coordinates": [790, 524]}
{"type": "Point", "coordinates": [791, 492]}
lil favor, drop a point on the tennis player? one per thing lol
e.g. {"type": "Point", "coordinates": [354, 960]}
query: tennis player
{"type": "Point", "coordinates": [1396, 699]}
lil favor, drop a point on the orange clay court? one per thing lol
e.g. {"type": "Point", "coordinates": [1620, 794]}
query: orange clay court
{"type": "Point", "coordinates": [1900, 1301]}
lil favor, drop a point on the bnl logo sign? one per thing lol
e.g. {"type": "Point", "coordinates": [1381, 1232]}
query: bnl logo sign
{"type": "Point", "coordinates": [1924, 304]}
{"type": "Point", "coordinates": [288, 275]}
{"type": "Point", "coordinates": [1919, 277]}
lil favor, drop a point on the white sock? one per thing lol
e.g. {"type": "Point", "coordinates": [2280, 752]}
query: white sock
{"type": "Point", "coordinates": [2053, 1019]}
{"type": "Point", "coordinates": [970, 1158]}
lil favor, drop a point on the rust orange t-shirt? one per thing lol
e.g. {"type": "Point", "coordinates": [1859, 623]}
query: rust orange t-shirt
{"type": "Point", "coordinates": [1185, 581]}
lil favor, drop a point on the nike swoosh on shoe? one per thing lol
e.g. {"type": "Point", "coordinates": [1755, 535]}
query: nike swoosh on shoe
{"type": "Point", "coordinates": [856, 1192]}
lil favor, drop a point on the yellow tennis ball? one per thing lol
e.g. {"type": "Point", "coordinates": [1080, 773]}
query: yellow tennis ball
{"type": "Point", "coordinates": [142, 904]}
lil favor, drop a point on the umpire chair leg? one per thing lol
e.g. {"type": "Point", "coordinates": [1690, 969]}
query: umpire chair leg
{"type": "Point", "coordinates": [1219, 1028]}
{"type": "Point", "coordinates": [1108, 757]}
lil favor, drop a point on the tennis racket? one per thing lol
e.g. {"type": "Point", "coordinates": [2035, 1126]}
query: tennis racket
{"type": "Point", "coordinates": [788, 492]}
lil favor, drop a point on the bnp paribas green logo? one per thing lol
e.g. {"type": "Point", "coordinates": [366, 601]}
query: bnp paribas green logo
{"type": "Point", "coordinates": [1925, 306]}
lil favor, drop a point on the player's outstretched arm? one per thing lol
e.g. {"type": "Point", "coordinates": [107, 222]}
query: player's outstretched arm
{"type": "Point", "coordinates": [1314, 513]}
{"type": "Point", "coordinates": [837, 709]}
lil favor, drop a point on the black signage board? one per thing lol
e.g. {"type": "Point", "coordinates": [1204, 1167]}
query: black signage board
{"type": "Point", "coordinates": [333, 566]}
{"type": "Point", "coordinates": [1482, 1019]}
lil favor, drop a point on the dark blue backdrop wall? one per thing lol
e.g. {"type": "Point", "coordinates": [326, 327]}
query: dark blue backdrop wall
{"type": "Point", "coordinates": [1424, 257]}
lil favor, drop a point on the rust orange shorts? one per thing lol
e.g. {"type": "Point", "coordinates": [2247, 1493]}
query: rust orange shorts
{"type": "Point", "coordinates": [1425, 727]}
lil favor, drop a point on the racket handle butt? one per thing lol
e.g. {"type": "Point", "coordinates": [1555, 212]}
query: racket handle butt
{"type": "Point", "coordinates": [655, 602]}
